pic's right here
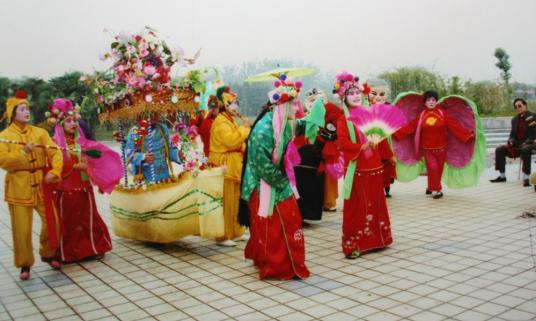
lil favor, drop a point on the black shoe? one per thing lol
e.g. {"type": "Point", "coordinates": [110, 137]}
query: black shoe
{"type": "Point", "coordinates": [428, 192]}
{"type": "Point", "coordinates": [388, 195]}
{"type": "Point", "coordinates": [438, 195]}
{"type": "Point", "coordinates": [526, 183]}
{"type": "Point", "coordinates": [498, 180]}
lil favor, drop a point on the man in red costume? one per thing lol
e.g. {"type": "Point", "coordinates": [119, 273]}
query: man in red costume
{"type": "Point", "coordinates": [430, 129]}
{"type": "Point", "coordinates": [277, 245]}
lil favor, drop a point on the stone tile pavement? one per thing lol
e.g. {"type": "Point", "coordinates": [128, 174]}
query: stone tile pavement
{"type": "Point", "coordinates": [464, 257]}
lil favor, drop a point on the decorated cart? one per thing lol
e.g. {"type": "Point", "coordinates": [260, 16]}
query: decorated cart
{"type": "Point", "coordinates": [168, 190]}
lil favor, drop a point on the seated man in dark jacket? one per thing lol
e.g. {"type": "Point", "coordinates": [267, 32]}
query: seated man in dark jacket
{"type": "Point", "coordinates": [519, 144]}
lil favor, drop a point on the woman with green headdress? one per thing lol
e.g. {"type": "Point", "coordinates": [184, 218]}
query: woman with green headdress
{"type": "Point", "coordinates": [277, 242]}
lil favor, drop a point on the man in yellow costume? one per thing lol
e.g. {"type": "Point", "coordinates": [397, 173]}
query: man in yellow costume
{"type": "Point", "coordinates": [25, 163]}
{"type": "Point", "coordinates": [227, 146]}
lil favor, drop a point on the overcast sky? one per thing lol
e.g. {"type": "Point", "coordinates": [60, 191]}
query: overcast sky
{"type": "Point", "coordinates": [454, 37]}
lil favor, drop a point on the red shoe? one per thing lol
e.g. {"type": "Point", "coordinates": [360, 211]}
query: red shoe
{"type": "Point", "coordinates": [24, 273]}
{"type": "Point", "coordinates": [55, 264]}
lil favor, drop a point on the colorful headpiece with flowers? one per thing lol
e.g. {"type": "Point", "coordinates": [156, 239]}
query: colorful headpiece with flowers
{"type": "Point", "coordinates": [61, 108]}
{"type": "Point", "coordinates": [285, 90]}
{"type": "Point", "coordinates": [345, 81]}
{"type": "Point", "coordinates": [225, 95]}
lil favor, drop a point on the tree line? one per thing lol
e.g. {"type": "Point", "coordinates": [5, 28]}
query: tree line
{"type": "Point", "coordinates": [491, 97]}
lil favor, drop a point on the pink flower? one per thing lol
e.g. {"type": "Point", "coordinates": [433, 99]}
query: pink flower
{"type": "Point", "coordinates": [144, 53]}
{"type": "Point", "coordinates": [193, 132]}
{"type": "Point", "coordinates": [119, 69]}
{"type": "Point", "coordinates": [143, 46]}
{"type": "Point", "coordinates": [140, 82]}
{"type": "Point", "coordinates": [175, 139]}
{"type": "Point", "coordinates": [190, 165]}
{"type": "Point", "coordinates": [149, 70]}
{"type": "Point", "coordinates": [132, 80]}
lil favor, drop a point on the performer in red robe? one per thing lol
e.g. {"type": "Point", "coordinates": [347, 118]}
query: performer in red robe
{"type": "Point", "coordinates": [276, 245]}
{"type": "Point", "coordinates": [366, 225]}
{"type": "Point", "coordinates": [331, 156]}
{"type": "Point", "coordinates": [430, 129]}
{"type": "Point", "coordinates": [206, 123]}
{"type": "Point", "coordinates": [83, 232]}
{"type": "Point", "coordinates": [331, 161]}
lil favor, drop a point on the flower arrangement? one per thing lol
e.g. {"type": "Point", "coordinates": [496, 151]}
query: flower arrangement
{"type": "Point", "coordinates": [141, 63]}
{"type": "Point", "coordinates": [190, 147]}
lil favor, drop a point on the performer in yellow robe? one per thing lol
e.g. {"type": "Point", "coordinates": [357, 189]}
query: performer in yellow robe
{"type": "Point", "coordinates": [227, 145]}
{"type": "Point", "coordinates": [25, 164]}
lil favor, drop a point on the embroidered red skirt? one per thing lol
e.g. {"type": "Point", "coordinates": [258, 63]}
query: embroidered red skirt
{"type": "Point", "coordinates": [83, 232]}
{"type": "Point", "coordinates": [277, 245]}
{"type": "Point", "coordinates": [366, 224]}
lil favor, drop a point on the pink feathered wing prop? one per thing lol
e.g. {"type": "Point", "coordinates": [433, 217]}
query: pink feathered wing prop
{"type": "Point", "coordinates": [106, 171]}
{"type": "Point", "coordinates": [459, 154]}
{"type": "Point", "coordinates": [411, 105]}
{"type": "Point", "coordinates": [378, 122]}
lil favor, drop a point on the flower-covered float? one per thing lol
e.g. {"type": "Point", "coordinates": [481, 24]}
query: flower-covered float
{"type": "Point", "coordinates": [168, 190]}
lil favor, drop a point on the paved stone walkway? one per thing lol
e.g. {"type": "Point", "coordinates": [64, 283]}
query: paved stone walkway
{"type": "Point", "coordinates": [464, 257]}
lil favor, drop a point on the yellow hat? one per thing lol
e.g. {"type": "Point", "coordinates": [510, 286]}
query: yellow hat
{"type": "Point", "coordinates": [12, 102]}
{"type": "Point", "coordinates": [225, 95]}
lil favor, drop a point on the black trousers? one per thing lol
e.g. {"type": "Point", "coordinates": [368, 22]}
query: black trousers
{"type": "Point", "coordinates": [523, 151]}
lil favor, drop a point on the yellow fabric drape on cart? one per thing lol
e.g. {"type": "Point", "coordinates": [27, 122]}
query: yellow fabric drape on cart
{"type": "Point", "coordinates": [164, 214]}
